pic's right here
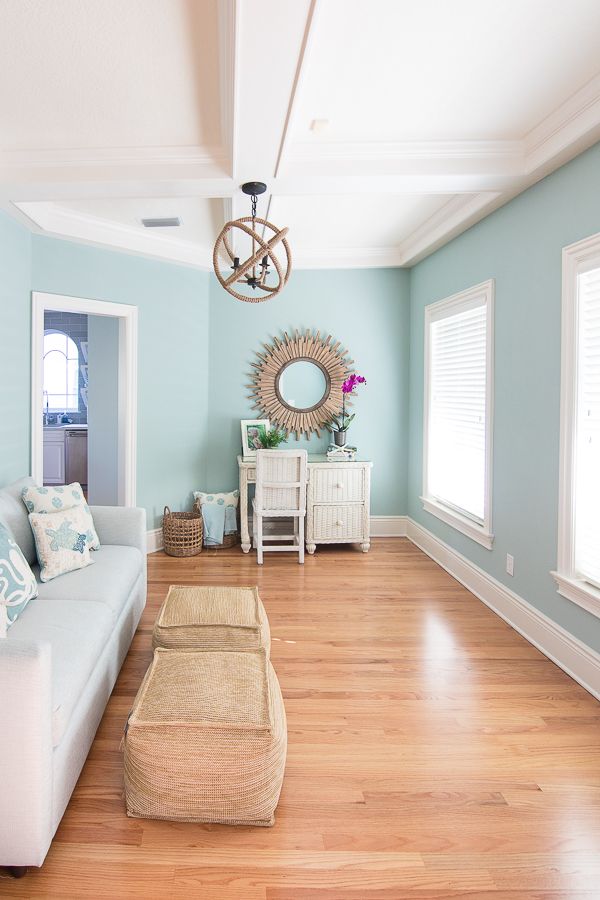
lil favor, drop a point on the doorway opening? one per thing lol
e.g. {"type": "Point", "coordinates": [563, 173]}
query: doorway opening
{"type": "Point", "coordinates": [84, 416]}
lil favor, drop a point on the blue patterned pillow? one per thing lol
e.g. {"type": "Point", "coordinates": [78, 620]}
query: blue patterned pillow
{"type": "Point", "coordinates": [55, 499]}
{"type": "Point", "coordinates": [17, 582]}
{"type": "Point", "coordinates": [61, 541]}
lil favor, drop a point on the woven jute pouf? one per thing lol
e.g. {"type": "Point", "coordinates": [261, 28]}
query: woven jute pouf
{"type": "Point", "coordinates": [206, 739]}
{"type": "Point", "coordinates": [212, 618]}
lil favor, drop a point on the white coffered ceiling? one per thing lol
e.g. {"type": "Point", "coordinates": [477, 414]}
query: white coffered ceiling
{"type": "Point", "coordinates": [382, 129]}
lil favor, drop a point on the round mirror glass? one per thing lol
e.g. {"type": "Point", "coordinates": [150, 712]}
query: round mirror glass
{"type": "Point", "coordinates": [302, 385]}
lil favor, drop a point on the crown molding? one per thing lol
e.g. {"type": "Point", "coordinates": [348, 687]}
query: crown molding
{"type": "Point", "coordinates": [85, 228]}
{"type": "Point", "coordinates": [92, 156]}
{"type": "Point", "coordinates": [568, 130]}
{"type": "Point", "coordinates": [454, 216]}
{"type": "Point", "coordinates": [366, 151]}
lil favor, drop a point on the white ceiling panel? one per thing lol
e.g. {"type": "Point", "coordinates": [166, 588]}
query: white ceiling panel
{"type": "Point", "coordinates": [339, 222]}
{"type": "Point", "coordinates": [108, 73]}
{"type": "Point", "coordinates": [443, 69]}
{"type": "Point", "coordinates": [201, 219]}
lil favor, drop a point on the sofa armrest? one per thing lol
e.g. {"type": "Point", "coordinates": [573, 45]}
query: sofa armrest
{"type": "Point", "coordinates": [124, 525]}
{"type": "Point", "coordinates": [25, 752]}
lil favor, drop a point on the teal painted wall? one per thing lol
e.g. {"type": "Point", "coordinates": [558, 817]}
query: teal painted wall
{"type": "Point", "coordinates": [15, 342]}
{"type": "Point", "coordinates": [368, 311]}
{"type": "Point", "coordinates": [173, 346]}
{"type": "Point", "coordinates": [520, 247]}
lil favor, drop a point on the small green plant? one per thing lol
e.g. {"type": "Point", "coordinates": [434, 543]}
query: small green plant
{"type": "Point", "coordinates": [274, 437]}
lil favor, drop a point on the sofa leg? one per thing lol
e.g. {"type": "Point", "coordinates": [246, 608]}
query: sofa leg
{"type": "Point", "coordinates": [17, 871]}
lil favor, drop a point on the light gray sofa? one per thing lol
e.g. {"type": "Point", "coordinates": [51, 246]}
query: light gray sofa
{"type": "Point", "coordinates": [58, 665]}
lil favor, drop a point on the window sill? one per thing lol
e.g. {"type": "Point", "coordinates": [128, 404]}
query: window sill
{"type": "Point", "coordinates": [466, 526]}
{"type": "Point", "coordinates": [580, 592]}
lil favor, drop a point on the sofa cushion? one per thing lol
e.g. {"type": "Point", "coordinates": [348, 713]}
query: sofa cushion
{"type": "Point", "coordinates": [14, 515]}
{"type": "Point", "coordinates": [77, 633]}
{"type": "Point", "coordinates": [109, 581]}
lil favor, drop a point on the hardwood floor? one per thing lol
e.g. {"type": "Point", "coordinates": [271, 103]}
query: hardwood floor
{"type": "Point", "coordinates": [433, 752]}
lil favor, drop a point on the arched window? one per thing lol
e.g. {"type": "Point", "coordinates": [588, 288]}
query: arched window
{"type": "Point", "coordinates": [61, 372]}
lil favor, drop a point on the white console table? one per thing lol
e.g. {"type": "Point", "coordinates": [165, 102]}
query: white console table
{"type": "Point", "coordinates": [337, 505]}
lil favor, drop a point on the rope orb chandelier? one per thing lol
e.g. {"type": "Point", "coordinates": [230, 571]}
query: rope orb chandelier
{"type": "Point", "coordinates": [254, 273]}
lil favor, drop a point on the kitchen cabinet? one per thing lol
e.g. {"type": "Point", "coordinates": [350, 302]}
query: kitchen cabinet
{"type": "Point", "coordinates": [54, 456]}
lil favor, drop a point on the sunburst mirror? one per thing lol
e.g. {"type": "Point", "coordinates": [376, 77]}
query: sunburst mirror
{"type": "Point", "coordinates": [297, 381]}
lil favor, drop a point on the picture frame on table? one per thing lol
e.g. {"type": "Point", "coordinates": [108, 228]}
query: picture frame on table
{"type": "Point", "coordinates": [253, 433]}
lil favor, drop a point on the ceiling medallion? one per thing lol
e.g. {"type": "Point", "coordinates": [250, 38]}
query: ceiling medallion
{"type": "Point", "coordinates": [254, 272]}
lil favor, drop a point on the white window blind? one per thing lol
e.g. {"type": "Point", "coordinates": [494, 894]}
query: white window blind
{"type": "Point", "coordinates": [587, 429]}
{"type": "Point", "coordinates": [456, 453]}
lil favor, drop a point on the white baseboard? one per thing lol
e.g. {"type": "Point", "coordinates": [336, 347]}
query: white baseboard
{"type": "Point", "coordinates": [154, 540]}
{"type": "Point", "coordinates": [574, 657]}
{"type": "Point", "coordinates": [381, 526]}
{"type": "Point", "coordinates": [389, 526]}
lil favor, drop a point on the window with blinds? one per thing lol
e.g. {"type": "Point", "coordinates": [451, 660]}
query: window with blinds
{"type": "Point", "coordinates": [586, 482]}
{"type": "Point", "coordinates": [457, 450]}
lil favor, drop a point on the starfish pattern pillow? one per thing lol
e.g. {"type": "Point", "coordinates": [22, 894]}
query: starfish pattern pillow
{"type": "Point", "coordinates": [61, 541]}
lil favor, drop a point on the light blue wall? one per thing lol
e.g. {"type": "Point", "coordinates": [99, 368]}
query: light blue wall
{"type": "Point", "coordinates": [15, 343]}
{"type": "Point", "coordinates": [368, 311]}
{"type": "Point", "coordinates": [520, 247]}
{"type": "Point", "coordinates": [173, 344]}
{"type": "Point", "coordinates": [103, 410]}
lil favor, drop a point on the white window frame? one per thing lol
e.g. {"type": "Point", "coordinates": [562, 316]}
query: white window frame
{"type": "Point", "coordinates": [67, 408]}
{"type": "Point", "coordinates": [479, 532]}
{"type": "Point", "coordinates": [576, 259]}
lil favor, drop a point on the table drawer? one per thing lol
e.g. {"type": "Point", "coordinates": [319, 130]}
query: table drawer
{"type": "Point", "coordinates": [337, 485]}
{"type": "Point", "coordinates": [342, 523]}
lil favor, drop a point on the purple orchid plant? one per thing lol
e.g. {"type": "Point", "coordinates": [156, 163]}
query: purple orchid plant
{"type": "Point", "coordinates": [342, 423]}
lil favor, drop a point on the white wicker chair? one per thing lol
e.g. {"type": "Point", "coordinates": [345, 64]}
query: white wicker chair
{"type": "Point", "coordinates": [280, 493]}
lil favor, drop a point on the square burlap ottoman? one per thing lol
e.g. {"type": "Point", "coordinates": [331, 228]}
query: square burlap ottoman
{"type": "Point", "coordinates": [212, 618]}
{"type": "Point", "coordinates": [206, 739]}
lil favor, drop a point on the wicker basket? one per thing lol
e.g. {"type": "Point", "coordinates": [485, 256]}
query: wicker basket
{"type": "Point", "coordinates": [229, 540]}
{"type": "Point", "coordinates": [182, 533]}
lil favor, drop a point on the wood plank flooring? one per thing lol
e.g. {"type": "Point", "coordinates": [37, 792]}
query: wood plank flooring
{"type": "Point", "coordinates": [433, 753]}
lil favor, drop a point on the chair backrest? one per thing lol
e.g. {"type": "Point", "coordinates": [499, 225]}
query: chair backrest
{"type": "Point", "coordinates": [281, 480]}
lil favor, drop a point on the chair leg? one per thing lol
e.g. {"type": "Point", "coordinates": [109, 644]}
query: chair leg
{"type": "Point", "coordinates": [259, 540]}
{"type": "Point", "coordinates": [301, 540]}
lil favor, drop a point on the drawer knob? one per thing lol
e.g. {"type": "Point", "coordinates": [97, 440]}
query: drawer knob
{"type": "Point", "coordinates": [339, 522]}
{"type": "Point", "coordinates": [339, 485]}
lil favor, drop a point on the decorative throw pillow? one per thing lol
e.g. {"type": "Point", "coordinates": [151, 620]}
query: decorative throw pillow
{"type": "Point", "coordinates": [228, 499]}
{"type": "Point", "coordinates": [229, 502]}
{"type": "Point", "coordinates": [17, 582]}
{"type": "Point", "coordinates": [54, 499]}
{"type": "Point", "coordinates": [61, 541]}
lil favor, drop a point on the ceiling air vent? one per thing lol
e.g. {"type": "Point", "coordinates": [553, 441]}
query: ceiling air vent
{"type": "Point", "coordinates": [164, 222]}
